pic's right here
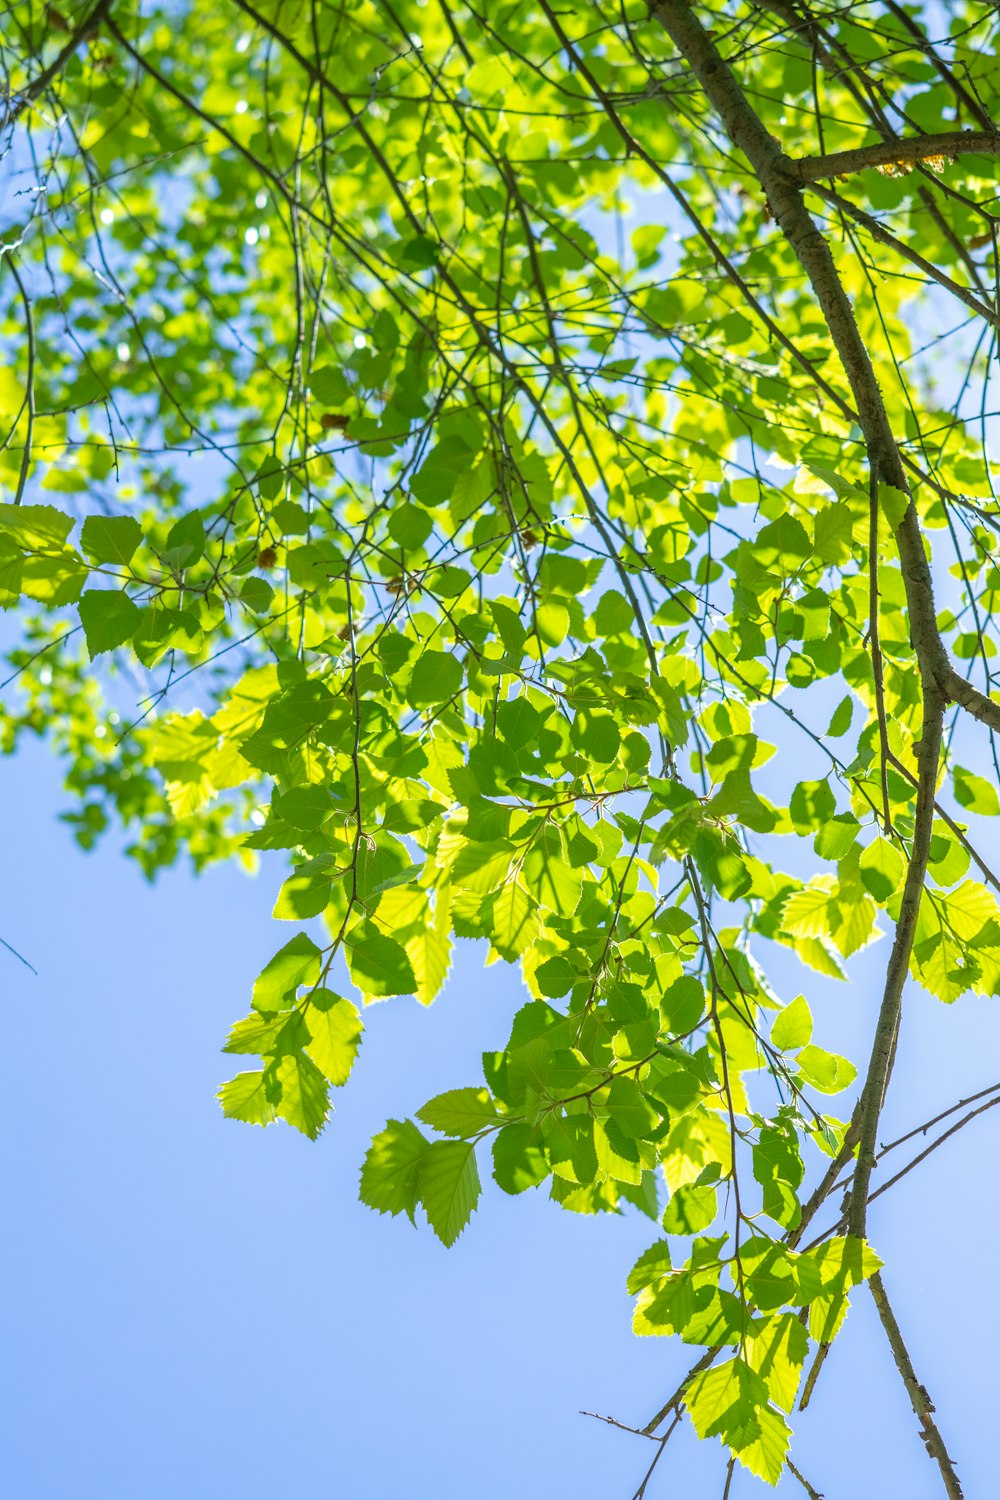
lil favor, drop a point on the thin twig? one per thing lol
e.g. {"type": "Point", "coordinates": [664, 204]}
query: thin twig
{"type": "Point", "coordinates": [22, 478]}
{"type": "Point", "coordinates": [921, 1402]}
{"type": "Point", "coordinates": [797, 1474]}
{"type": "Point", "coordinates": [37, 86]}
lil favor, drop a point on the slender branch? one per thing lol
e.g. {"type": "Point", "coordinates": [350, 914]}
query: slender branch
{"type": "Point", "coordinates": [921, 1402]}
{"type": "Point", "coordinates": [22, 478]}
{"type": "Point", "coordinates": [884, 236]}
{"type": "Point", "coordinates": [813, 1376]}
{"type": "Point", "coordinates": [797, 1474]}
{"type": "Point", "coordinates": [878, 672]}
{"type": "Point", "coordinates": [784, 193]}
{"type": "Point", "coordinates": [19, 956]}
{"type": "Point", "coordinates": [939, 681]}
{"type": "Point", "coordinates": [952, 1109]}
{"type": "Point", "coordinates": [622, 1426]}
{"type": "Point", "coordinates": [887, 1025]}
{"type": "Point", "coordinates": [905, 152]}
{"type": "Point", "coordinates": [949, 822]}
{"type": "Point", "coordinates": [678, 1396]}
{"type": "Point", "coordinates": [786, 203]}
{"type": "Point", "coordinates": [828, 1183]}
{"type": "Point", "coordinates": [663, 1441]}
{"type": "Point", "coordinates": [938, 1141]}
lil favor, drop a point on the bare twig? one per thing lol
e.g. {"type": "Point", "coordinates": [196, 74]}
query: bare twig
{"type": "Point", "coordinates": [921, 1402]}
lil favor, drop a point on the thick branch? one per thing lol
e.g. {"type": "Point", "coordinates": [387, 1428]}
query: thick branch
{"type": "Point", "coordinates": [905, 152]}
{"type": "Point", "coordinates": [940, 683]}
{"type": "Point", "coordinates": [958, 690]}
{"type": "Point", "coordinates": [784, 197]}
{"type": "Point", "coordinates": [775, 172]}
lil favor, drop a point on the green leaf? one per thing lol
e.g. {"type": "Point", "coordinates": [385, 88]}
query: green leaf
{"type": "Point", "coordinates": [881, 868]}
{"type": "Point", "coordinates": [812, 805]}
{"type": "Point", "coordinates": [303, 1101]}
{"type": "Point", "coordinates": [185, 541]}
{"type": "Point", "coordinates": [765, 1454]}
{"type": "Point", "coordinates": [266, 1034]}
{"type": "Point", "coordinates": [724, 1398]}
{"type": "Point", "coordinates": [391, 1169]}
{"type": "Point", "coordinates": [297, 963]}
{"type": "Point", "coordinates": [519, 1160]}
{"type": "Point", "coordinates": [852, 922]}
{"type": "Point", "coordinates": [378, 965]}
{"type": "Point", "coordinates": [437, 676]}
{"type": "Point", "coordinates": [975, 793]}
{"type": "Point", "coordinates": [36, 527]}
{"type": "Point", "coordinates": [513, 924]}
{"type": "Point", "coordinates": [842, 716]}
{"type": "Point", "coordinates": [836, 836]}
{"type": "Point", "coordinates": [329, 385]}
{"type": "Point", "coordinates": [653, 1264]}
{"type": "Point", "coordinates": [448, 1187]}
{"type": "Point", "coordinates": [246, 1097]}
{"type": "Point", "coordinates": [793, 1026]}
{"type": "Point", "coordinates": [111, 539]}
{"type": "Point", "coordinates": [257, 594]}
{"type": "Point", "coordinates": [410, 526]}
{"type": "Point", "coordinates": [460, 1112]}
{"type": "Point", "coordinates": [690, 1210]}
{"type": "Point", "coordinates": [429, 952]}
{"type": "Point", "coordinates": [778, 1353]}
{"type": "Point", "coordinates": [893, 503]}
{"type": "Point", "coordinates": [825, 1070]}
{"type": "Point", "coordinates": [334, 1034]}
{"type": "Point", "coordinates": [596, 734]}
{"type": "Point", "coordinates": [109, 619]}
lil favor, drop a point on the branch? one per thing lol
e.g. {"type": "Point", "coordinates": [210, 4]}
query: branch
{"type": "Point", "coordinates": [678, 1396]}
{"type": "Point", "coordinates": [958, 690]}
{"type": "Point", "coordinates": [949, 821]}
{"type": "Point", "coordinates": [37, 86]}
{"type": "Point", "coordinates": [885, 237]}
{"type": "Point", "coordinates": [938, 1141]}
{"type": "Point", "coordinates": [952, 1109]}
{"type": "Point", "coordinates": [921, 1402]}
{"type": "Point", "coordinates": [786, 203]}
{"type": "Point", "coordinates": [29, 397]}
{"type": "Point", "coordinates": [906, 152]}
{"type": "Point", "coordinates": [797, 1474]}
{"type": "Point", "coordinates": [887, 1025]}
{"type": "Point", "coordinates": [784, 196]}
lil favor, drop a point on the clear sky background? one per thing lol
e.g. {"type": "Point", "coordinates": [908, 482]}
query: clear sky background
{"type": "Point", "coordinates": [198, 1308]}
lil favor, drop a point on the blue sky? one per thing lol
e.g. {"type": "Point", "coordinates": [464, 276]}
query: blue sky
{"type": "Point", "coordinates": [197, 1308]}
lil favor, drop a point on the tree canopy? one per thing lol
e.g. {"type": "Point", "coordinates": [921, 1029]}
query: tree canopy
{"type": "Point", "coordinates": [441, 441]}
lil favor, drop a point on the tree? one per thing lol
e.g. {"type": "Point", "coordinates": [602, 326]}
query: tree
{"type": "Point", "coordinates": [485, 537]}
